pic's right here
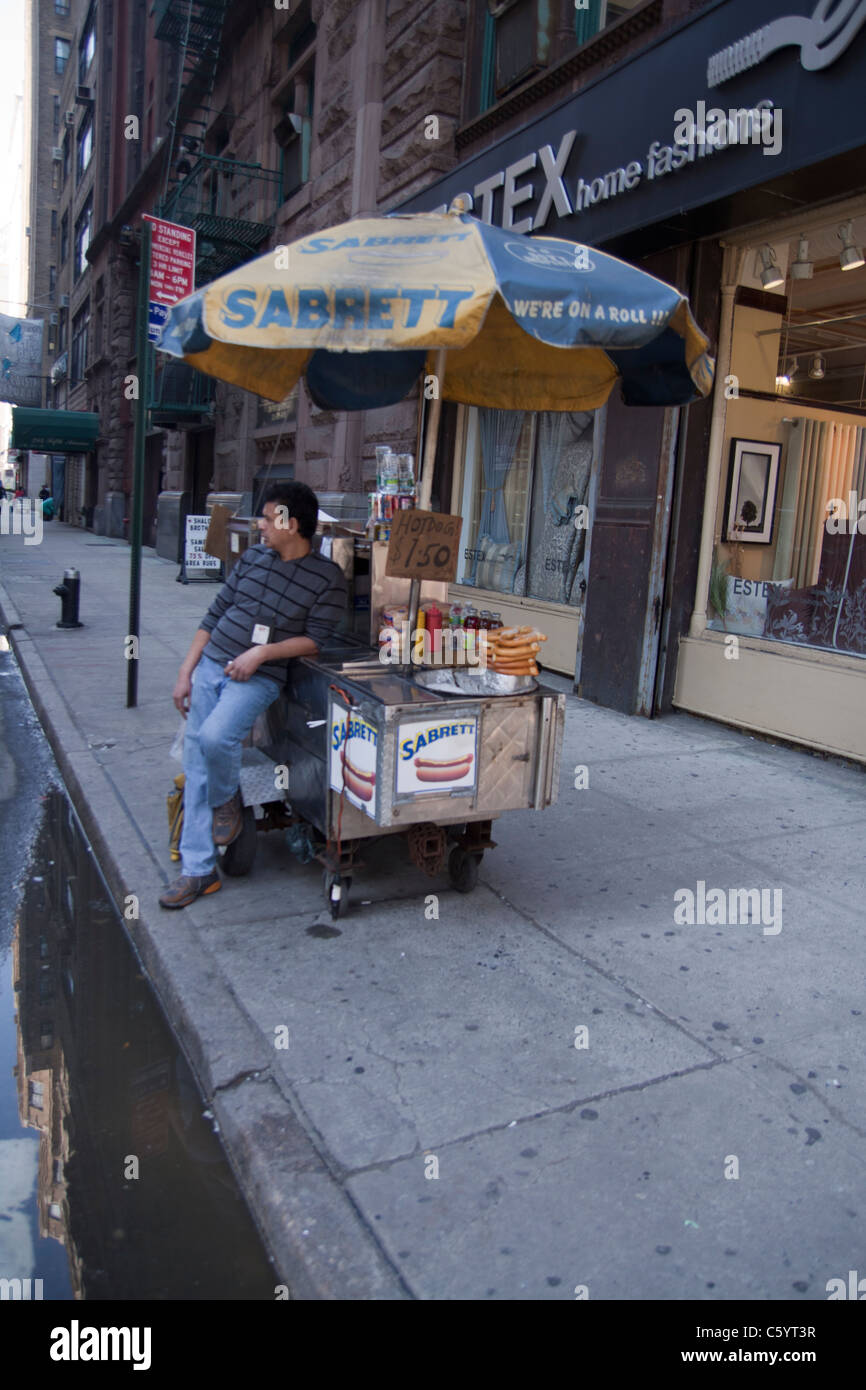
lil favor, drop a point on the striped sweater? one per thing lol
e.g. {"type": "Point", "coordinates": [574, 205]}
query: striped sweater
{"type": "Point", "coordinates": [293, 598]}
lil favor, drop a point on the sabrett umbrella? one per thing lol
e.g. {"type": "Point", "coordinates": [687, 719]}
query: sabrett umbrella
{"type": "Point", "coordinates": [502, 319]}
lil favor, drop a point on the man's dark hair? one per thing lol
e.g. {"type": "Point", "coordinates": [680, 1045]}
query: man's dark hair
{"type": "Point", "coordinates": [301, 502]}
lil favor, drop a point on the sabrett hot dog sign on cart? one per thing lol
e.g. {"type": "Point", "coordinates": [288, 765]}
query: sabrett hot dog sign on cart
{"type": "Point", "coordinates": [436, 756]}
{"type": "Point", "coordinates": [361, 740]}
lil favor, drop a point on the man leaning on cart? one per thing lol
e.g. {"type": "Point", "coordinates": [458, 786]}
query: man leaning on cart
{"type": "Point", "coordinates": [281, 600]}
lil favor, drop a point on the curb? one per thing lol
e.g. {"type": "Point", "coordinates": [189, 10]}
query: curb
{"type": "Point", "coordinates": [319, 1244]}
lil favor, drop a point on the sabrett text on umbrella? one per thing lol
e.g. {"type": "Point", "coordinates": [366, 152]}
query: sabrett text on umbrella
{"type": "Point", "coordinates": [319, 307]}
{"type": "Point", "coordinates": [317, 244]}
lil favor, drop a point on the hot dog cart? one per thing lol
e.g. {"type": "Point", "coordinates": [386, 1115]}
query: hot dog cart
{"type": "Point", "coordinates": [370, 750]}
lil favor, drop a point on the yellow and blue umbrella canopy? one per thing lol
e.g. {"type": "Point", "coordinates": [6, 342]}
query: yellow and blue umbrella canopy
{"type": "Point", "coordinates": [529, 323]}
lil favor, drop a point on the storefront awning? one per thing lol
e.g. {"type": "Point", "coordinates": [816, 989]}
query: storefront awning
{"type": "Point", "coordinates": [54, 431]}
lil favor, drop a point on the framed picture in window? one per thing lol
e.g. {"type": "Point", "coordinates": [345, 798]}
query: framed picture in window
{"type": "Point", "coordinates": [751, 501]}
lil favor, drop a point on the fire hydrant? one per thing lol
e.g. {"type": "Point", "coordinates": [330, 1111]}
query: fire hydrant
{"type": "Point", "coordinates": [69, 593]}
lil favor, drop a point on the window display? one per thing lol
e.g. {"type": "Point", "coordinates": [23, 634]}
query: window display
{"type": "Point", "coordinates": [525, 489]}
{"type": "Point", "coordinates": [790, 562]}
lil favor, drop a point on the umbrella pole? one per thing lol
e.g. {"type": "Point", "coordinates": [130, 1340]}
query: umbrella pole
{"type": "Point", "coordinates": [432, 435]}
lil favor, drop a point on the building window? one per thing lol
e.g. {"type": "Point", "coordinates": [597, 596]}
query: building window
{"type": "Point", "coordinates": [61, 55]}
{"type": "Point", "coordinates": [53, 224]}
{"type": "Point", "coordinates": [52, 282]}
{"type": "Point", "coordinates": [510, 40]}
{"type": "Point", "coordinates": [61, 330]}
{"type": "Point", "coordinates": [67, 155]}
{"type": "Point", "coordinates": [525, 477]}
{"type": "Point", "coordinates": [37, 1095]}
{"type": "Point", "coordinates": [46, 1035]}
{"type": "Point", "coordinates": [85, 144]}
{"type": "Point", "coordinates": [87, 46]}
{"type": "Point", "coordinates": [64, 238]}
{"type": "Point", "coordinates": [589, 20]}
{"type": "Point", "coordinates": [294, 134]}
{"type": "Point", "coordinates": [790, 564]}
{"type": "Point", "coordinates": [83, 228]}
{"type": "Point", "coordinates": [80, 326]}
{"type": "Point", "coordinates": [56, 114]}
{"type": "Point", "coordinates": [61, 7]}
{"type": "Point", "coordinates": [55, 1211]}
{"type": "Point", "coordinates": [294, 103]}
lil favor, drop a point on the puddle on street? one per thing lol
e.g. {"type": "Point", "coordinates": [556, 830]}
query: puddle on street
{"type": "Point", "coordinates": [113, 1184]}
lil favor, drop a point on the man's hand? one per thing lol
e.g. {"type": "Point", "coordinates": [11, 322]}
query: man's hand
{"type": "Point", "coordinates": [181, 693]}
{"type": "Point", "coordinates": [245, 665]}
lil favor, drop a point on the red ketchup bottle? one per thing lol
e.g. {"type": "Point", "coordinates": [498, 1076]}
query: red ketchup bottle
{"type": "Point", "coordinates": [434, 627]}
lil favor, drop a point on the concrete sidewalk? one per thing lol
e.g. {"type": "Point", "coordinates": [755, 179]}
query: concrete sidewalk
{"type": "Point", "coordinates": [706, 1142]}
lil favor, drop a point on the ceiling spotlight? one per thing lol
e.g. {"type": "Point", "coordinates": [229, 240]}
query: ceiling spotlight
{"type": "Point", "coordinates": [818, 367]}
{"type": "Point", "coordinates": [851, 257]}
{"type": "Point", "coordinates": [787, 376]}
{"type": "Point", "coordinates": [771, 275]}
{"type": "Point", "coordinates": [801, 268]}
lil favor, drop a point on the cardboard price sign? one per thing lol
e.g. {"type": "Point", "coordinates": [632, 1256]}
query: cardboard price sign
{"type": "Point", "coordinates": [424, 545]}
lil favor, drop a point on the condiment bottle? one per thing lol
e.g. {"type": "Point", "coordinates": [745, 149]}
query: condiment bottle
{"type": "Point", "coordinates": [434, 627]}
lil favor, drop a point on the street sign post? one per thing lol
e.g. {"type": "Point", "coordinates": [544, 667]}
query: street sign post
{"type": "Point", "coordinates": [172, 270]}
{"type": "Point", "coordinates": [166, 274]}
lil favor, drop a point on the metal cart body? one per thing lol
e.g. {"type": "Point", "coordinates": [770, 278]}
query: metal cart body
{"type": "Point", "coordinates": [354, 736]}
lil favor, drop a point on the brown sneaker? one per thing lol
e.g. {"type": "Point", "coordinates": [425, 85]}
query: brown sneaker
{"type": "Point", "coordinates": [186, 889]}
{"type": "Point", "coordinates": [228, 821]}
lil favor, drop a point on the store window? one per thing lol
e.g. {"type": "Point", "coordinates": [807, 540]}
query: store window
{"type": "Point", "coordinates": [789, 563]}
{"type": "Point", "coordinates": [524, 499]}
{"type": "Point", "coordinates": [85, 145]}
{"type": "Point", "coordinates": [87, 46]}
{"type": "Point", "coordinates": [61, 55]}
{"type": "Point", "coordinates": [83, 228]}
{"type": "Point", "coordinates": [80, 328]}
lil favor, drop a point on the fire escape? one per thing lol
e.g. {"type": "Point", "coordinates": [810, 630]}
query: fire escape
{"type": "Point", "coordinates": [229, 204]}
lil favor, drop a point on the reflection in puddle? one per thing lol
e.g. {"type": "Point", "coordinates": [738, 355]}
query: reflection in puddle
{"type": "Point", "coordinates": [131, 1177]}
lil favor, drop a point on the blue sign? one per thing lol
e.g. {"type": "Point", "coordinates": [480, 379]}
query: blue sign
{"type": "Point", "coordinates": [157, 315]}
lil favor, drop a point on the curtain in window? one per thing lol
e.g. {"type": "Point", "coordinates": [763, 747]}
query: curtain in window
{"type": "Point", "coordinates": [801, 515]}
{"type": "Point", "coordinates": [587, 20]}
{"type": "Point", "coordinates": [563, 463]}
{"type": "Point", "coordinates": [499, 431]}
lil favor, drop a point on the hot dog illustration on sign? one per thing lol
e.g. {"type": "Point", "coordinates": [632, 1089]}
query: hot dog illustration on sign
{"type": "Point", "coordinates": [360, 741]}
{"type": "Point", "coordinates": [435, 756]}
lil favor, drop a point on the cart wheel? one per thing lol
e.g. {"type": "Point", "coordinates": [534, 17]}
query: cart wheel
{"type": "Point", "coordinates": [240, 855]}
{"type": "Point", "coordinates": [462, 870]}
{"type": "Point", "coordinates": [337, 893]}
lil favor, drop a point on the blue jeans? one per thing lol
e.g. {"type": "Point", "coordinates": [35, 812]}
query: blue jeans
{"type": "Point", "coordinates": [221, 714]}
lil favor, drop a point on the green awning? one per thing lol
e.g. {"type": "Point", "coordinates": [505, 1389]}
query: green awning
{"type": "Point", "coordinates": [54, 431]}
